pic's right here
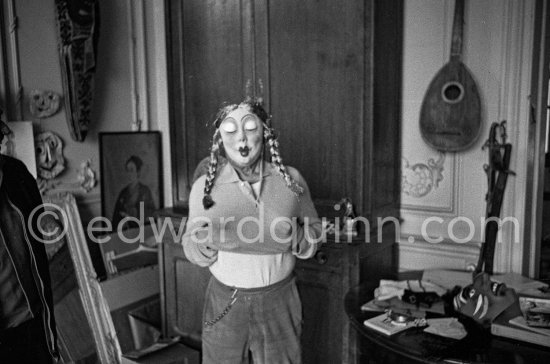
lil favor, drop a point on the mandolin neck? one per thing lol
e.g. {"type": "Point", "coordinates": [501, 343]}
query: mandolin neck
{"type": "Point", "coordinates": [458, 25]}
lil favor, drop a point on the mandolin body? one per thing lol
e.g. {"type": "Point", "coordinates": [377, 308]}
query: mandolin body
{"type": "Point", "coordinates": [450, 116]}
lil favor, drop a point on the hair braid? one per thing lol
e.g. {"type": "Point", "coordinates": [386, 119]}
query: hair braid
{"type": "Point", "coordinates": [207, 201]}
{"type": "Point", "coordinates": [277, 161]}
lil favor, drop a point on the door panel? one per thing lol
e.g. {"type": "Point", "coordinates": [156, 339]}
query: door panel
{"type": "Point", "coordinates": [317, 84]}
{"type": "Point", "coordinates": [322, 317]}
{"type": "Point", "coordinates": [212, 70]}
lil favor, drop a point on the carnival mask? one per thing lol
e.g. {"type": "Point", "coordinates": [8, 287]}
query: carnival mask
{"type": "Point", "coordinates": [242, 136]}
{"type": "Point", "coordinates": [44, 103]}
{"type": "Point", "coordinates": [484, 299]}
{"type": "Point", "coordinates": [49, 155]}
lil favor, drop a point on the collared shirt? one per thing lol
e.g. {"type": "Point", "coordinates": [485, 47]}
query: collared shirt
{"type": "Point", "coordinates": [254, 270]}
{"type": "Point", "coordinates": [233, 259]}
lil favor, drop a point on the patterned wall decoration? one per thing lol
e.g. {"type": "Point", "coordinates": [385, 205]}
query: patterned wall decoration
{"type": "Point", "coordinates": [419, 179]}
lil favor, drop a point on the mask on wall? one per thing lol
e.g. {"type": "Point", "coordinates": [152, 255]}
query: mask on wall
{"type": "Point", "coordinates": [4, 130]}
{"type": "Point", "coordinates": [484, 299]}
{"type": "Point", "coordinates": [78, 24]}
{"type": "Point", "coordinates": [44, 103]}
{"type": "Point", "coordinates": [49, 155]}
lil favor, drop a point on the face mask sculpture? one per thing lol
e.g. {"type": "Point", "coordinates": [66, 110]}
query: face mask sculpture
{"type": "Point", "coordinates": [484, 299]}
{"type": "Point", "coordinates": [49, 155]}
{"type": "Point", "coordinates": [242, 131]}
{"type": "Point", "coordinates": [44, 103]}
{"type": "Point", "coordinates": [242, 137]}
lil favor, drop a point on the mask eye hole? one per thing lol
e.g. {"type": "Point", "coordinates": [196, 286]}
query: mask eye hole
{"type": "Point", "coordinates": [229, 125]}
{"type": "Point", "coordinates": [250, 124]}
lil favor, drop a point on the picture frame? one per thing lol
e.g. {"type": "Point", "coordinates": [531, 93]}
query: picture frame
{"type": "Point", "coordinates": [64, 216]}
{"type": "Point", "coordinates": [131, 177]}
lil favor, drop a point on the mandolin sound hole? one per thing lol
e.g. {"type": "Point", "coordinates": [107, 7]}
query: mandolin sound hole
{"type": "Point", "coordinates": [452, 92]}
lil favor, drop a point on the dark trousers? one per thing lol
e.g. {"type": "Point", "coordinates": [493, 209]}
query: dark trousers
{"type": "Point", "coordinates": [263, 324]}
{"type": "Point", "coordinates": [25, 343]}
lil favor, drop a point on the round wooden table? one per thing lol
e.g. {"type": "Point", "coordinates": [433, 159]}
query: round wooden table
{"type": "Point", "coordinates": [415, 346]}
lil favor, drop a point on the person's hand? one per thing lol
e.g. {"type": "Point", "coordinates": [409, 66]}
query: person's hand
{"type": "Point", "coordinates": [201, 235]}
{"type": "Point", "coordinates": [215, 236]}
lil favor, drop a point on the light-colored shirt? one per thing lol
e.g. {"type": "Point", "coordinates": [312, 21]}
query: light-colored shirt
{"type": "Point", "coordinates": [246, 264]}
{"type": "Point", "coordinates": [254, 270]}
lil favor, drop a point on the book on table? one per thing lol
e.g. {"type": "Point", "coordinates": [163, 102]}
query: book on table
{"type": "Point", "coordinates": [514, 329]}
{"type": "Point", "coordinates": [382, 323]}
{"type": "Point", "coordinates": [531, 326]}
{"type": "Point", "coordinates": [536, 311]}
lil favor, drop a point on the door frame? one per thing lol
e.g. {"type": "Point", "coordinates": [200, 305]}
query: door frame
{"type": "Point", "coordinates": [538, 131]}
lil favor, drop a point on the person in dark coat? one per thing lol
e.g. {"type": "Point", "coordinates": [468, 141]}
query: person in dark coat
{"type": "Point", "coordinates": [27, 324]}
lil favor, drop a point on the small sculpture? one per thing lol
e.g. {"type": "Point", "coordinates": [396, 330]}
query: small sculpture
{"type": "Point", "coordinates": [86, 180]}
{"type": "Point", "coordinates": [86, 176]}
{"type": "Point", "coordinates": [348, 224]}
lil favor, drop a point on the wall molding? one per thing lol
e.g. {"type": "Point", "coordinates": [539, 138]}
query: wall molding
{"type": "Point", "coordinates": [534, 215]}
{"type": "Point", "coordinates": [138, 65]}
{"type": "Point", "coordinates": [12, 88]}
{"type": "Point", "coordinates": [446, 255]}
{"type": "Point", "coordinates": [161, 86]}
{"type": "Point", "coordinates": [4, 84]}
{"type": "Point", "coordinates": [517, 49]}
{"type": "Point", "coordinates": [452, 208]}
{"type": "Point", "coordinates": [425, 177]}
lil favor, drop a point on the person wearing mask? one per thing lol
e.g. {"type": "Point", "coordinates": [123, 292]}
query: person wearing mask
{"type": "Point", "coordinates": [249, 219]}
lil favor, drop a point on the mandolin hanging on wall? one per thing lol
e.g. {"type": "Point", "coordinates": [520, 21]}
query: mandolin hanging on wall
{"type": "Point", "coordinates": [450, 117]}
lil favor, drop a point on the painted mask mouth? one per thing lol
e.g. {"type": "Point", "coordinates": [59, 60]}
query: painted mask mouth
{"type": "Point", "coordinates": [244, 151]}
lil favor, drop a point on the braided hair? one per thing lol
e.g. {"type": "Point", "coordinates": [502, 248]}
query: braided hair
{"type": "Point", "coordinates": [270, 141]}
{"type": "Point", "coordinates": [207, 201]}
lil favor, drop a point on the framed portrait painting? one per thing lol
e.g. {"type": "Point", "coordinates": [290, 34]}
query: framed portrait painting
{"type": "Point", "coordinates": [131, 177]}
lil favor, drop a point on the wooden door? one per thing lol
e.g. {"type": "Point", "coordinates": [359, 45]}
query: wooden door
{"type": "Point", "coordinates": [330, 72]}
{"type": "Point", "coordinates": [209, 60]}
{"type": "Point", "coordinates": [321, 314]}
{"type": "Point", "coordinates": [317, 66]}
{"type": "Point", "coordinates": [333, 81]}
